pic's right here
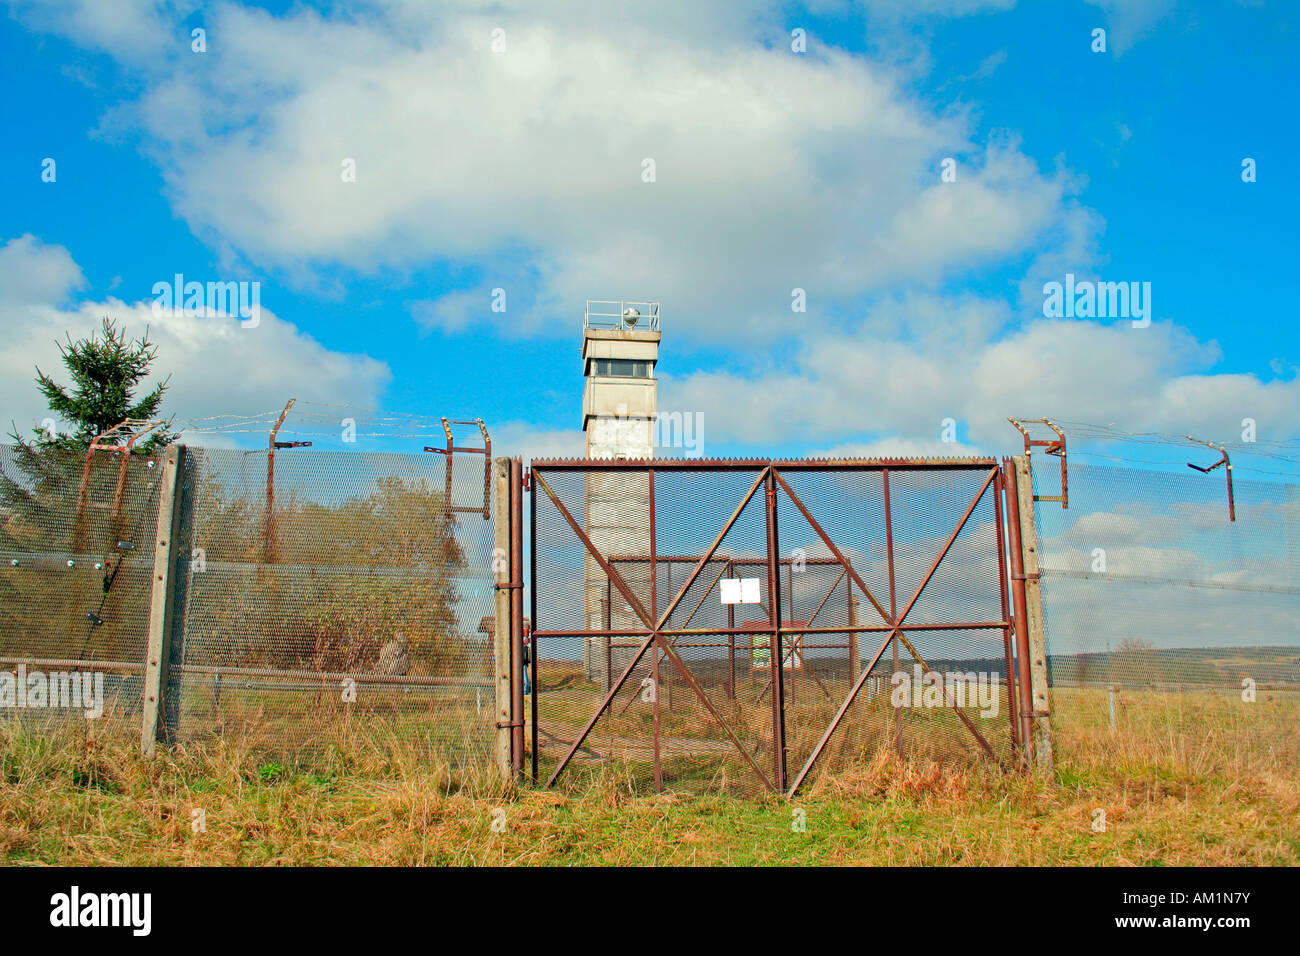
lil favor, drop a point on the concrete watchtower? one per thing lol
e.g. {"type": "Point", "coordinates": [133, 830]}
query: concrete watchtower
{"type": "Point", "coordinates": [620, 348]}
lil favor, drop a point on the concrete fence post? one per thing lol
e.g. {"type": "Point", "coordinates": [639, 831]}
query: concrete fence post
{"type": "Point", "coordinates": [161, 596]}
{"type": "Point", "coordinates": [1042, 720]}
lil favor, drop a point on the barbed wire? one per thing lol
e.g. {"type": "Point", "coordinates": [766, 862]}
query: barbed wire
{"type": "Point", "coordinates": [1278, 451]}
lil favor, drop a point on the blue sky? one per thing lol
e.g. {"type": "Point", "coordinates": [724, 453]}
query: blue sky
{"type": "Point", "coordinates": [520, 169]}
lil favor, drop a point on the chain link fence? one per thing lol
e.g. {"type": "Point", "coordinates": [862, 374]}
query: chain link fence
{"type": "Point", "coordinates": [1166, 621]}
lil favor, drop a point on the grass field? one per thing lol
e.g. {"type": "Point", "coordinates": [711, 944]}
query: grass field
{"type": "Point", "coordinates": [1184, 780]}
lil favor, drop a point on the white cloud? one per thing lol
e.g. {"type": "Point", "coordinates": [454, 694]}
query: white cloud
{"type": "Point", "coordinates": [35, 273]}
{"type": "Point", "coordinates": [893, 377]}
{"type": "Point", "coordinates": [774, 170]}
{"type": "Point", "coordinates": [529, 441]}
{"type": "Point", "coordinates": [1128, 21]}
{"type": "Point", "coordinates": [216, 366]}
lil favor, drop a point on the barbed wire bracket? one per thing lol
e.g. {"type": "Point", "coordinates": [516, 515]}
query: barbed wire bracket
{"type": "Point", "coordinates": [1052, 446]}
{"type": "Point", "coordinates": [1223, 462]}
{"type": "Point", "coordinates": [451, 449]}
{"type": "Point", "coordinates": [268, 544]}
{"type": "Point", "coordinates": [132, 429]}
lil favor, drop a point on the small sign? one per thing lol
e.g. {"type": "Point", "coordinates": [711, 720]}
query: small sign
{"type": "Point", "coordinates": [741, 591]}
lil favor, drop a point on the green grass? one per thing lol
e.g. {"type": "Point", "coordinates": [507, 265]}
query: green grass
{"type": "Point", "coordinates": [1182, 782]}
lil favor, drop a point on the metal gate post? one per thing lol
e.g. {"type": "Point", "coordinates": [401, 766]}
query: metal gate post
{"type": "Point", "coordinates": [152, 727]}
{"type": "Point", "coordinates": [502, 558]}
{"type": "Point", "coordinates": [999, 489]}
{"type": "Point", "coordinates": [775, 658]}
{"type": "Point", "coordinates": [517, 666]}
{"type": "Point", "coordinates": [535, 649]}
{"type": "Point", "coordinates": [1021, 612]}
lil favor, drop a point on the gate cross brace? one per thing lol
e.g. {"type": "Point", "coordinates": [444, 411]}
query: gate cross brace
{"type": "Point", "coordinates": [895, 623]}
{"type": "Point", "coordinates": [654, 636]}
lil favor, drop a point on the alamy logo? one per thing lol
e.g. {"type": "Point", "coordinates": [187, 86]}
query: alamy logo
{"type": "Point", "coordinates": [953, 689]}
{"type": "Point", "coordinates": [1100, 300]}
{"type": "Point", "coordinates": [215, 299]}
{"type": "Point", "coordinates": [74, 908]}
{"type": "Point", "coordinates": [58, 689]}
{"type": "Point", "coordinates": [638, 437]}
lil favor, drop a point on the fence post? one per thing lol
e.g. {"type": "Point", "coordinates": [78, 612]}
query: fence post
{"type": "Point", "coordinates": [1042, 723]}
{"type": "Point", "coordinates": [161, 596]}
{"type": "Point", "coordinates": [501, 564]}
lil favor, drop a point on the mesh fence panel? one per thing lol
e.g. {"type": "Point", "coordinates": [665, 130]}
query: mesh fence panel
{"type": "Point", "coordinates": [925, 508]}
{"type": "Point", "coordinates": [357, 606]}
{"type": "Point", "coordinates": [77, 546]}
{"type": "Point", "coordinates": [1149, 589]}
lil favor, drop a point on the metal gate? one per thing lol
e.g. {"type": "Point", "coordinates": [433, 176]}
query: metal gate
{"type": "Point", "coordinates": [728, 625]}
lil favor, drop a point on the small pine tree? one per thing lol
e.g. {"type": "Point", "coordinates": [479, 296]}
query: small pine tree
{"type": "Point", "coordinates": [105, 372]}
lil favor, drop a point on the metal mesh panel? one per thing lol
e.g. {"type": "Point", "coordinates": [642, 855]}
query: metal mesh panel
{"type": "Point", "coordinates": [575, 673]}
{"type": "Point", "coordinates": [76, 541]}
{"type": "Point", "coordinates": [1149, 589]}
{"type": "Point", "coordinates": [718, 725]}
{"type": "Point", "coordinates": [356, 604]}
{"type": "Point", "coordinates": [903, 714]}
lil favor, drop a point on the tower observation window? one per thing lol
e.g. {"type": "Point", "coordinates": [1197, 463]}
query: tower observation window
{"type": "Point", "coordinates": [620, 368]}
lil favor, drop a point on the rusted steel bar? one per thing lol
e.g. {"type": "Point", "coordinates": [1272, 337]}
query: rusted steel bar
{"type": "Point", "coordinates": [269, 529]}
{"type": "Point", "coordinates": [452, 449]}
{"type": "Point", "coordinates": [731, 649]}
{"type": "Point", "coordinates": [899, 712]}
{"type": "Point", "coordinates": [517, 664]}
{"type": "Point", "coordinates": [750, 464]}
{"type": "Point", "coordinates": [361, 677]}
{"type": "Point", "coordinates": [1021, 614]}
{"type": "Point", "coordinates": [852, 605]}
{"type": "Point", "coordinates": [63, 663]}
{"type": "Point", "coordinates": [654, 613]}
{"type": "Point", "coordinates": [776, 661]}
{"type": "Point", "coordinates": [1223, 461]}
{"type": "Point", "coordinates": [618, 559]}
{"type": "Point", "coordinates": [1054, 446]}
{"type": "Point", "coordinates": [135, 428]}
{"type": "Point", "coordinates": [897, 623]}
{"type": "Point", "coordinates": [536, 655]}
{"type": "Point", "coordinates": [999, 485]}
{"type": "Point", "coordinates": [785, 629]}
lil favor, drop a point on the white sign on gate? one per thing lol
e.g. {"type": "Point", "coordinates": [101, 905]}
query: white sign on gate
{"type": "Point", "coordinates": [741, 591]}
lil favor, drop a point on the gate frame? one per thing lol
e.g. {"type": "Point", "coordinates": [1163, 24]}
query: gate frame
{"type": "Point", "coordinates": [769, 474]}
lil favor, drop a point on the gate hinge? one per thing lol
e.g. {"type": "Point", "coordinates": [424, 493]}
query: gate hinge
{"type": "Point", "coordinates": [527, 480]}
{"type": "Point", "coordinates": [1026, 577]}
{"type": "Point", "coordinates": [503, 724]}
{"type": "Point", "coordinates": [509, 586]}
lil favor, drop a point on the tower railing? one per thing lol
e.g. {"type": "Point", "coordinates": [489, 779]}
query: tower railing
{"type": "Point", "coordinates": [621, 315]}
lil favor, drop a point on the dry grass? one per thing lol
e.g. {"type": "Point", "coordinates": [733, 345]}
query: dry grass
{"type": "Point", "coordinates": [1169, 799]}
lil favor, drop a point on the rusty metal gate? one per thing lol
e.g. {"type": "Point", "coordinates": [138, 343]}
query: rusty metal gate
{"type": "Point", "coordinates": [728, 625]}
